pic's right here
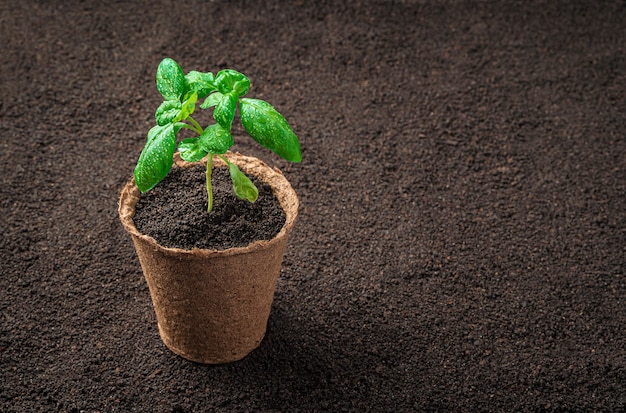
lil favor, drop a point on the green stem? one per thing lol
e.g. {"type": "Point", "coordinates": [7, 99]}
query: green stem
{"type": "Point", "coordinates": [193, 128]}
{"type": "Point", "coordinates": [224, 159]}
{"type": "Point", "coordinates": [196, 125]}
{"type": "Point", "coordinates": [209, 189]}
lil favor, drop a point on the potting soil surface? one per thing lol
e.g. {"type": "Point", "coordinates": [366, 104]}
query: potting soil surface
{"type": "Point", "coordinates": [461, 240]}
{"type": "Point", "coordinates": [175, 214]}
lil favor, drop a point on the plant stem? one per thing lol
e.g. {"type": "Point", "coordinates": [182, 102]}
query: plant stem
{"type": "Point", "coordinates": [196, 125]}
{"type": "Point", "coordinates": [191, 127]}
{"type": "Point", "coordinates": [225, 159]}
{"type": "Point", "coordinates": [209, 189]}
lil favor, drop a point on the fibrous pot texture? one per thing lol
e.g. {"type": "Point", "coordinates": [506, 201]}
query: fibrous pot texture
{"type": "Point", "coordinates": [212, 306]}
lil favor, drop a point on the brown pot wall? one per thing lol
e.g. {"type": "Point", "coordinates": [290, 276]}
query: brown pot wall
{"type": "Point", "coordinates": [213, 306]}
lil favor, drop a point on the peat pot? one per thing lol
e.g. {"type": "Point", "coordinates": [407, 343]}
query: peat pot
{"type": "Point", "coordinates": [212, 306]}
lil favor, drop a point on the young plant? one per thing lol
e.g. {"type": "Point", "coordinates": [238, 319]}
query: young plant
{"type": "Point", "coordinates": [224, 93]}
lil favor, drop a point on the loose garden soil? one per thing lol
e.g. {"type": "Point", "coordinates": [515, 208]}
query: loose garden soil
{"type": "Point", "coordinates": [461, 239]}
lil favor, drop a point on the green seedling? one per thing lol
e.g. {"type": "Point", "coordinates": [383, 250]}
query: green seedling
{"type": "Point", "coordinates": [224, 93]}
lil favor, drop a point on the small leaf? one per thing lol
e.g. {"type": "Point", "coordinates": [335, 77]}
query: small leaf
{"type": "Point", "coordinates": [190, 150]}
{"type": "Point", "coordinates": [229, 80]}
{"type": "Point", "coordinates": [187, 107]}
{"type": "Point", "coordinates": [156, 160]}
{"type": "Point", "coordinates": [269, 128]}
{"type": "Point", "coordinates": [241, 86]}
{"type": "Point", "coordinates": [167, 112]}
{"type": "Point", "coordinates": [201, 83]}
{"type": "Point", "coordinates": [242, 185]}
{"type": "Point", "coordinates": [225, 110]}
{"type": "Point", "coordinates": [213, 99]}
{"type": "Point", "coordinates": [216, 139]}
{"type": "Point", "coordinates": [170, 79]}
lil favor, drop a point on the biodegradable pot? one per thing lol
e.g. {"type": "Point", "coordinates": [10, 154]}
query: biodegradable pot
{"type": "Point", "coordinates": [212, 306]}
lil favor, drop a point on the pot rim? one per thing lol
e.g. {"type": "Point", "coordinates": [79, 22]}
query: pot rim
{"type": "Point", "coordinates": [281, 188]}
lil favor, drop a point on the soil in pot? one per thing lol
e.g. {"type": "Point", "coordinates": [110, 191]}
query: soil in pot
{"type": "Point", "coordinates": [174, 213]}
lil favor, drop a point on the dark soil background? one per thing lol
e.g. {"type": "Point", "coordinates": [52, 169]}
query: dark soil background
{"type": "Point", "coordinates": [462, 231]}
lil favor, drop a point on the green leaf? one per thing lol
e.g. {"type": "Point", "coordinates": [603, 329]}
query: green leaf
{"type": "Point", "coordinates": [269, 128]}
{"type": "Point", "coordinates": [242, 185]}
{"type": "Point", "coordinates": [229, 80]}
{"type": "Point", "coordinates": [201, 83]}
{"type": "Point", "coordinates": [216, 139]}
{"type": "Point", "coordinates": [156, 159]}
{"type": "Point", "coordinates": [170, 79]}
{"type": "Point", "coordinates": [241, 86]}
{"type": "Point", "coordinates": [213, 99]}
{"type": "Point", "coordinates": [167, 112]}
{"type": "Point", "coordinates": [190, 150]}
{"type": "Point", "coordinates": [224, 112]}
{"type": "Point", "coordinates": [188, 106]}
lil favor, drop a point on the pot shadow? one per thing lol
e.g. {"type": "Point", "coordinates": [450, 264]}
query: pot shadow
{"type": "Point", "coordinates": [306, 365]}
